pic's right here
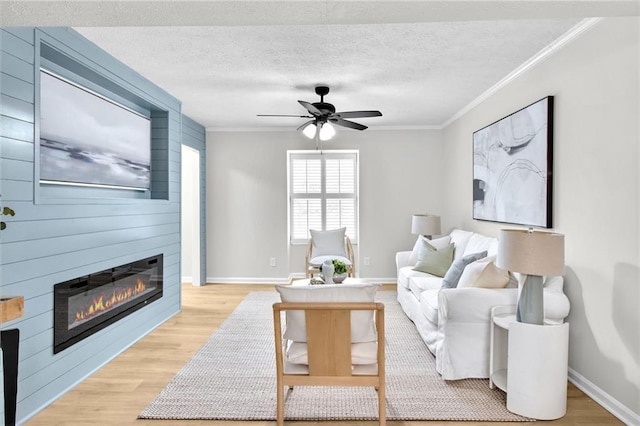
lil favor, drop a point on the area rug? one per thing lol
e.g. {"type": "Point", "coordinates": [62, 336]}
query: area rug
{"type": "Point", "coordinates": [232, 377]}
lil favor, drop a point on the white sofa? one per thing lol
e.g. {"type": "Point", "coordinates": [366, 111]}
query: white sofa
{"type": "Point", "coordinates": [455, 323]}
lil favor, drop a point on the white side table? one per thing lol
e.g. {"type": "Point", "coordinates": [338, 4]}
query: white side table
{"type": "Point", "coordinates": [530, 363]}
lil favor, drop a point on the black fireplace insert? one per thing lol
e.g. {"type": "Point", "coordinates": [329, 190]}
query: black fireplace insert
{"type": "Point", "coordinates": [85, 305]}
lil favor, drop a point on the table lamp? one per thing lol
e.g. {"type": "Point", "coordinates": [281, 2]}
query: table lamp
{"type": "Point", "coordinates": [533, 253]}
{"type": "Point", "coordinates": [425, 224]}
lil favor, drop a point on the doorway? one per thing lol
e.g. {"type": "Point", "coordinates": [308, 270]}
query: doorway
{"type": "Point", "coordinates": [190, 216]}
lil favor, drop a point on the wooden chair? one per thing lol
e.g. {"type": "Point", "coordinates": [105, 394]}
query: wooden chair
{"type": "Point", "coordinates": [329, 350]}
{"type": "Point", "coordinates": [312, 269]}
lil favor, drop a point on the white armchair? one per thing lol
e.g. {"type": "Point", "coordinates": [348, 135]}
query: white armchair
{"type": "Point", "coordinates": [329, 245]}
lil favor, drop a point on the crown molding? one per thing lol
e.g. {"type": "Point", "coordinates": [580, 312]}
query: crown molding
{"type": "Point", "coordinates": [551, 49]}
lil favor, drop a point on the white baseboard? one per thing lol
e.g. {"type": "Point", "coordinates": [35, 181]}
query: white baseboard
{"type": "Point", "coordinates": [604, 399]}
{"type": "Point", "coordinates": [189, 280]}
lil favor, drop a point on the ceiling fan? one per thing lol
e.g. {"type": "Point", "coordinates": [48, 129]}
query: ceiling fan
{"type": "Point", "coordinates": [323, 115]}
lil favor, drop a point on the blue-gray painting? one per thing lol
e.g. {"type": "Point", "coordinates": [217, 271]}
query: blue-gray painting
{"type": "Point", "coordinates": [87, 139]}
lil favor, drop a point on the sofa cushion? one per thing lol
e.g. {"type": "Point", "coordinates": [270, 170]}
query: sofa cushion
{"type": "Point", "coordinates": [429, 305]}
{"type": "Point", "coordinates": [434, 261]}
{"type": "Point", "coordinates": [406, 273]}
{"type": "Point", "coordinates": [478, 243]}
{"type": "Point", "coordinates": [484, 273]}
{"type": "Point", "coordinates": [361, 353]}
{"type": "Point", "coordinates": [357, 370]}
{"type": "Point", "coordinates": [460, 239]}
{"type": "Point", "coordinates": [425, 282]}
{"type": "Point", "coordinates": [319, 260]}
{"type": "Point", "coordinates": [438, 243]}
{"type": "Point", "coordinates": [362, 322]}
{"type": "Point", "coordinates": [554, 283]}
{"type": "Point", "coordinates": [452, 276]}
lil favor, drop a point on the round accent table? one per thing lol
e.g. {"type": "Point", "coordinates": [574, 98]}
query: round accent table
{"type": "Point", "coordinates": [530, 363]}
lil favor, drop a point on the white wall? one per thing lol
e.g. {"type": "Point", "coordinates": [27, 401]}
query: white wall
{"type": "Point", "coordinates": [247, 199]}
{"type": "Point", "coordinates": [595, 83]}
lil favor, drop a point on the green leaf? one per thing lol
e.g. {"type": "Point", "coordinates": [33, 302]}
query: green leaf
{"type": "Point", "coordinates": [8, 211]}
{"type": "Point", "coordinates": [2, 226]}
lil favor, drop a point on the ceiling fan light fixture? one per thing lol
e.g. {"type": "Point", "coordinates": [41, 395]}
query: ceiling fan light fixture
{"type": "Point", "coordinates": [321, 113]}
{"type": "Point", "coordinates": [310, 131]}
{"type": "Point", "coordinates": [327, 131]}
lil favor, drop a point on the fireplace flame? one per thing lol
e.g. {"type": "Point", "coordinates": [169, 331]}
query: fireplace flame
{"type": "Point", "coordinates": [106, 301]}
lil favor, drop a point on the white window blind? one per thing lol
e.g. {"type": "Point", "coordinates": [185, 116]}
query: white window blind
{"type": "Point", "coordinates": [322, 193]}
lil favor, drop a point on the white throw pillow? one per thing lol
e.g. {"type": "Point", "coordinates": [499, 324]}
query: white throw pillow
{"type": "Point", "coordinates": [328, 242]}
{"type": "Point", "coordinates": [483, 273]}
{"type": "Point", "coordinates": [362, 322]}
{"type": "Point", "coordinates": [438, 243]}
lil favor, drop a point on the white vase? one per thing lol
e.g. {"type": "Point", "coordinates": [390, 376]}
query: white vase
{"type": "Point", "coordinates": [327, 272]}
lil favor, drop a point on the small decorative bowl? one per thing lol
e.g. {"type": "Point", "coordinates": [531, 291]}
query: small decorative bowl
{"type": "Point", "coordinates": [339, 278]}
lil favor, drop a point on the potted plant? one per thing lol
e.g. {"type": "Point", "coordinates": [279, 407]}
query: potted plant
{"type": "Point", "coordinates": [6, 211]}
{"type": "Point", "coordinates": [339, 270]}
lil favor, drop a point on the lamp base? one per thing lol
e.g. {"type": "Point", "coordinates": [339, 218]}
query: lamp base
{"type": "Point", "coordinates": [530, 308]}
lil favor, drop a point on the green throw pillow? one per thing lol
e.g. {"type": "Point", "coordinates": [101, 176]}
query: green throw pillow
{"type": "Point", "coordinates": [433, 261]}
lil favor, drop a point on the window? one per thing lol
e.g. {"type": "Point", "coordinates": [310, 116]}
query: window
{"type": "Point", "coordinates": [323, 192]}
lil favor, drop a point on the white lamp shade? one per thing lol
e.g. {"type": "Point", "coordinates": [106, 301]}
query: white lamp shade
{"type": "Point", "coordinates": [327, 132]}
{"type": "Point", "coordinates": [531, 252]}
{"type": "Point", "coordinates": [425, 224]}
{"type": "Point", "coordinates": [310, 131]}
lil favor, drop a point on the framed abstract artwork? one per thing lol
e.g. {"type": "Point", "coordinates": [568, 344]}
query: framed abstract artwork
{"type": "Point", "coordinates": [513, 165]}
{"type": "Point", "coordinates": [88, 139]}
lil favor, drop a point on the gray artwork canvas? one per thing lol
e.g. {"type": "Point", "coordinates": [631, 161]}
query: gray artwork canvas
{"type": "Point", "coordinates": [512, 167]}
{"type": "Point", "coordinates": [88, 139]}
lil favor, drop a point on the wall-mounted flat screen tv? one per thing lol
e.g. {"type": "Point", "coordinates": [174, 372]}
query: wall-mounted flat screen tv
{"type": "Point", "coordinates": [87, 139]}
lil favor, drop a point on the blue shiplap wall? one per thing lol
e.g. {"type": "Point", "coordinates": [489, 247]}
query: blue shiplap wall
{"type": "Point", "coordinates": [55, 237]}
{"type": "Point", "coordinates": [194, 136]}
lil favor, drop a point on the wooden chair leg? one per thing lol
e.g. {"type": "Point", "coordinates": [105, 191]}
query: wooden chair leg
{"type": "Point", "coordinates": [280, 405]}
{"type": "Point", "coordinates": [382, 408]}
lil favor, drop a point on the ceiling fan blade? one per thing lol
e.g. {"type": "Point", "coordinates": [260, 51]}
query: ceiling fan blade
{"type": "Point", "coordinates": [284, 115]}
{"type": "Point", "coordinates": [347, 123]}
{"type": "Point", "coordinates": [305, 125]}
{"type": "Point", "coordinates": [357, 114]}
{"type": "Point", "coordinates": [313, 110]}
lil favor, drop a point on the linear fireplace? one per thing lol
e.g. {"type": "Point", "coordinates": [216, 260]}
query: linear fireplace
{"type": "Point", "coordinates": [85, 305]}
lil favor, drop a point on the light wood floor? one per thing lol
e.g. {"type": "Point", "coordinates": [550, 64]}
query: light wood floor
{"type": "Point", "coordinates": [118, 392]}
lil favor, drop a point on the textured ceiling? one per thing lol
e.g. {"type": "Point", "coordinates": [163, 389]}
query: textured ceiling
{"type": "Point", "coordinates": [419, 63]}
{"type": "Point", "coordinates": [415, 74]}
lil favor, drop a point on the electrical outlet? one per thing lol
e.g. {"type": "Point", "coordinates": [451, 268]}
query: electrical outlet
{"type": "Point", "coordinates": [367, 261]}
{"type": "Point", "coordinates": [272, 261]}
